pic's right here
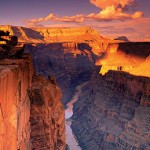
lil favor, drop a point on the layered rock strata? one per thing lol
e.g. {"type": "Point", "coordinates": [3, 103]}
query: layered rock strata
{"type": "Point", "coordinates": [29, 122]}
{"type": "Point", "coordinates": [47, 115]}
{"type": "Point", "coordinates": [71, 63]}
{"type": "Point", "coordinates": [113, 110]}
{"type": "Point", "coordinates": [113, 113]}
{"type": "Point", "coordinates": [15, 79]}
{"type": "Point", "coordinates": [50, 34]}
{"type": "Point", "coordinates": [131, 57]}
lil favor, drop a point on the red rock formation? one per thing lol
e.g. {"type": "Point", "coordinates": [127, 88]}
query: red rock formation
{"type": "Point", "coordinates": [47, 129]}
{"type": "Point", "coordinates": [15, 79]}
{"type": "Point", "coordinates": [60, 35]}
{"type": "Point", "coordinates": [38, 35]}
{"type": "Point", "coordinates": [47, 115]}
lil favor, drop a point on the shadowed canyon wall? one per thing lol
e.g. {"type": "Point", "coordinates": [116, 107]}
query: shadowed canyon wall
{"type": "Point", "coordinates": [113, 109]}
{"type": "Point", "coordinates": [71, 63]}
{"type": "Point", "coordinates": [113, 113]}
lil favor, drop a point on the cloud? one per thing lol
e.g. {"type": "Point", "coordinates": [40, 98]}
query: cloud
{"type": "Point", "coordinates": [109, 10]}
{"type": "Point", "coordinates": [52, 17]}
{"type": "Point", "coordinates": [113, 10]}
{"type": "Point", "coordinates": [116, 3]}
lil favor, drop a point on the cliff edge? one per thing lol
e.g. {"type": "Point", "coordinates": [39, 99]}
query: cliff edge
{"type": "Point", "coordinates": [47, 115]}
{"type": "Point", "coordinates": [31, 113]}
{"type": "Point", "coordinates": [15, 79]}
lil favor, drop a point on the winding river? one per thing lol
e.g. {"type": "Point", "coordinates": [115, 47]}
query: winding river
{"type": "Point", "coordinates": [70, 137]}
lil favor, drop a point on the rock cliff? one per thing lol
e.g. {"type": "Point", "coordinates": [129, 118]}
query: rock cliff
{"type": "Point", "coordinates": [113, 113]}
{"type": "Point", "coordinates": [70, 62]}
{"type": "Point", "coordinates": [15, 79]}
{"type": "Point", "coordinates": [31, 113]}
{"type": "Point", "coordinates": [130, 57]}
{"type": "Point", "coordinates": [49, 34]}
{"type": "Point", "coordinates": [60, 35]}
{"type": "Point", "coordinates": [113, 109]}
{"type": "Point", "coordinates": [47, 115]}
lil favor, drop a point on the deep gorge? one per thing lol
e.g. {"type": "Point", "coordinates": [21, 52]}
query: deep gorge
{"type": "Point", "coordinates": [109, 112]}
{"type": "Point", "coordinates": [112, 111]}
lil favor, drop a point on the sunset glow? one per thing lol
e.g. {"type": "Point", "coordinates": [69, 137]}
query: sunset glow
{"type": "Point", "coordinates": [111, 18]}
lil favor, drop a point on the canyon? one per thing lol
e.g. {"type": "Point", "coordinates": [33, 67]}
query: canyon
{"type": "Point", "coordinates": [113, 113]}
{"type": "Point", "coordinates": [112, 110]}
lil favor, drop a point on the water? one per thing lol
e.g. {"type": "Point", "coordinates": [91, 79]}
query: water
{"type": "Point", "coordinates": [70, 137]}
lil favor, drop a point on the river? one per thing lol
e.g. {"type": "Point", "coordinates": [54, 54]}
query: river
{"type": "Point", "coordinates": [70, 137]}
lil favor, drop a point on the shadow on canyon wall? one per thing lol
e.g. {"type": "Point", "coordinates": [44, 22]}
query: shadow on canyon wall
{"type": "Point", "coordinates": [71, 63]}
{"type": "Point", "coordinates": [140, 49]}
{"type": "Point", "coordinates": [113, 113]}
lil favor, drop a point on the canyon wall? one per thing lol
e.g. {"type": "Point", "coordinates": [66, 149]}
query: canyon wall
{"type": "Point", "coordinates": [131, 57]}
{"type": "Point", "coordinates": [113, 109]}
{"type": "Point", "coordinates": [113, 113]}
{"type": "Point", "coordinates": [49, 34]}
{"type": "Point", "coordinates": [71, 63]}
{"type": "Point", "coordinates": [60, 35]}
{"type": "Point", "coordinates": [140, 49]}
{"type": "Point", "coordinates": [47, 115]}
{"type": "Point", "coordinates": [15, 79]}
{"type": "Point", "coordinates": [31, 112]}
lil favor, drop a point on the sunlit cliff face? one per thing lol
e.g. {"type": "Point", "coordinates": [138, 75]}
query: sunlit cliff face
{"type": "Point", "coordinates": [117, 59]}
{"type": "Point", "coordinates": [109, 53]}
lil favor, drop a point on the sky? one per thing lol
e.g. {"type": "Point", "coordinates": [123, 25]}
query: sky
{"type": "Point", "coordinates": [111, 18]}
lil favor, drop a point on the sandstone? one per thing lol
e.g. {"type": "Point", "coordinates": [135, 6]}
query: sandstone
{"type": "Point", "coordinates": [22, 118]}
{"type": "Point", "coordinates": [15, 79]}
{"type": "Point", "coordinates": [60, 35]}
{"type": "Point", "coordinates": [50, 34]}
{"type": "Point", "coordinates": [47, 115]}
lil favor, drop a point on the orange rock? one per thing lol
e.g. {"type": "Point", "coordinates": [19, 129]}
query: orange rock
{"type": "Point", "coordinates": [47, 115]}
{"type": "Point", "coordinates": [15, 79]}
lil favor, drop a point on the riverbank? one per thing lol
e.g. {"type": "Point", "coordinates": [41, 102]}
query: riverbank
{"type": "Point", "coordinates": [70, 137]}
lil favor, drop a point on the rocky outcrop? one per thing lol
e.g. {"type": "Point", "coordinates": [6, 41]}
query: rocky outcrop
{"type": "Point", "coordinates": [29, 122]}
{"type": "Point", "coordinates": [113, 113]}
{"type": "Point", "coordinates": [122, 38]}
{"type": "Point", "coordinates": [79, 34]}
{"type": "Point", "coordinates": [47, 115]}
{"type": "Point", "coordinates": [141, 49]}
{"type": "Point", "coordinates": [15, 79]}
